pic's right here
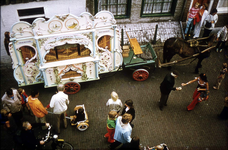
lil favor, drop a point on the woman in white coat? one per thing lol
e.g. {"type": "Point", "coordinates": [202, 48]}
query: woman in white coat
{"type": "Point", "coordinates": [203, 14]}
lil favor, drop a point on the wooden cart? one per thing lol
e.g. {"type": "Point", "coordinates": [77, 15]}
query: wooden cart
{"type": "Point", "coordinates": [135, 60]}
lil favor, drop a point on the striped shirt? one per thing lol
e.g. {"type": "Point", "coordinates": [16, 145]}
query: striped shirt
{"type": "Point", "coordinates": [193, 12]}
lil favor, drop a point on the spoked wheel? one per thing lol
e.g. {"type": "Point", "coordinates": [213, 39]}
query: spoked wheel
{"type": "Point", "coordinates": [82, 126]}
{"type": "Point", "coordinates": [72, 87]}
{"type": "Point", "coordinates": [67, 146]}
{"type": "Point", "coordinates": [140, 74]}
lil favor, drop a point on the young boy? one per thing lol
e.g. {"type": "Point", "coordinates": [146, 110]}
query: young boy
{"type": "Point", "coordinates": [222, 38]}
{"type": "Point", "coordinates": [111, 124]}
{"type": "Point", "coordinates": [191, 15]}
{"type": "Point", "coordinates": [221, 76]}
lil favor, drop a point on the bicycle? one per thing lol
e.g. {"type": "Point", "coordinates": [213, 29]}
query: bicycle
{"type": "Point", "coordinates": [57, 144]}
{"type": "Point", "coordinates": [162, 146]}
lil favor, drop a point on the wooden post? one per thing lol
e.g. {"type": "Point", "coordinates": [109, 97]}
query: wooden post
{"type": "Point", "coordinates": [155, 34]}
{"type": "Point", "coordinates": [122, 38]}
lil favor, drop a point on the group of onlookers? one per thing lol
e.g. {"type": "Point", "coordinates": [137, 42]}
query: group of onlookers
{"type": "Point", "coordinates": [15, 101]}
{"type": "Point", "coordinates": [119, 125]}
{"type": "Point", "coordinates": [199, 17]}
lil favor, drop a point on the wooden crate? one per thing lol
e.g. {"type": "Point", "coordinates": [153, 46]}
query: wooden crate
{"type": "Point", "coordinates": [125, 51]}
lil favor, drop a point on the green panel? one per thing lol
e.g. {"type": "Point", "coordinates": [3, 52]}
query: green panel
{"type": "Point", "coordinates": [130, 61]}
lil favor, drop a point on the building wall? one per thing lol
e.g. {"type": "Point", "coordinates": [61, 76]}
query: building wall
{"type": "Point", "coordinates": [136, 10]}
{"type": "Point", "coordinates": [9, 15]}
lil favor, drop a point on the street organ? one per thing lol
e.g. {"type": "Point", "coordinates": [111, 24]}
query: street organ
{"type": "Point", "coordinates": [66, 49]}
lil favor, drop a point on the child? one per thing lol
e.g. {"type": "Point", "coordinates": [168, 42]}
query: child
{"type": "Point", "coordinates": [24, 99]}
{"type": "Point", "coordinates": [191, 15]}
{"type": "Point", "coordinates": [79, 115]}
{"type": "Point", "coordinates": [111, 124]}
{"type": "Point", "coordinates": [114, 102]}
{"type": "Point", "coordinates": [221, 76]}
{"type": "Point", "coordinates": [222, 38]}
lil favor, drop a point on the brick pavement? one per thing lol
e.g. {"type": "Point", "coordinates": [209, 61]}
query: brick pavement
{"type": "Point", "coordinates": [178, 128]}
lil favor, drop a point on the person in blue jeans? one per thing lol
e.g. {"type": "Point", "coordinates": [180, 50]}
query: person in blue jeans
{"type": "Point", "coordinates": [191, 15]}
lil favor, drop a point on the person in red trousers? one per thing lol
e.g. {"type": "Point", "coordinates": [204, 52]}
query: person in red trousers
{"type": "Point", "coordinates": [201, 91]}
{"type": "Point", "coordinates": [111, 124]}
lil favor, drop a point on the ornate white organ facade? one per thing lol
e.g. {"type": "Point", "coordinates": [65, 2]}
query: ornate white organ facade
{"type": "Point", "coordinates": [66, 48]}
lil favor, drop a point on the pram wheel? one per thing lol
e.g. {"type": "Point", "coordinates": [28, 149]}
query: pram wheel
{"type": "Point", "coordinates": [82, 126]}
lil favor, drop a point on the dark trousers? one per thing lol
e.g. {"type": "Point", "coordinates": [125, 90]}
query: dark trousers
{"type": "Point", "coordinates": [116, 145]}
{"type": "Point", "coordinates": [198, 65]}
{"type": "Point", "coordinates": [220, 44]}
{"type": "Point", "coordinates": [18, 118]}
{"type": "Point", "coordinates": [200, 59]}
{"type": "Point", "coordinates": [163, 99]}
{"type": "Point", "coordinates": [206, 32]}
{"type": "Point", "coordinates": [120, 146]}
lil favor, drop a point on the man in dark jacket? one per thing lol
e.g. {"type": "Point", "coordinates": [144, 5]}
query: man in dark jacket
{"type": "Point", "coordinates": [166, 87]}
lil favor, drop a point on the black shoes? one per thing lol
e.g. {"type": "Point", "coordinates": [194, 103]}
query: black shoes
{"type": "Point", "coordinates": [160, 108]}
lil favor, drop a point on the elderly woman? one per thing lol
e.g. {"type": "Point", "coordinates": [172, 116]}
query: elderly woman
{"type": "Point", "coordinates": [201, 91]}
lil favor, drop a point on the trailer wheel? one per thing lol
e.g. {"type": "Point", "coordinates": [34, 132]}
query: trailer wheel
{"type": "Point", "coordinates": [82, 126]}
{"type": "Point", "coordinates": [72, 87]}
{"type": "Point", "coordinates": [140, 74]}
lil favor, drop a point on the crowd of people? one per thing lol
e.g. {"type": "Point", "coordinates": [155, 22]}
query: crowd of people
{"type": "Point", "coordinates": [16, 101]}
{"type": "Point", "coordinates": [199, 18]}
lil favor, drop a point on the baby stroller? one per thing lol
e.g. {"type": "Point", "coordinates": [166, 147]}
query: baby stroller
{"type": "Point", "coordinates": [162, 146]}
{"type": "Point", "coordinates": [80, 119]}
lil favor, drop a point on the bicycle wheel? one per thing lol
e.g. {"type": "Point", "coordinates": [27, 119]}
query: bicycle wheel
{"type": "Point", "coordinates": [67, 146]}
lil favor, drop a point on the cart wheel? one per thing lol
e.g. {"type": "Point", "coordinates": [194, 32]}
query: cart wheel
{"type": "Point", "coordinates": [82, 126]}
{"type": "Point", "coordinates": [72, 87]}
{"type": "Point", "coordinates": [140, 74]}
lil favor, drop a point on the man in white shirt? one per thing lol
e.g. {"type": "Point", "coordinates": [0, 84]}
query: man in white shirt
{"type": "Point", "coordinates": [209, 22]}
{"type": "Point", "coordinates": [59, 104]}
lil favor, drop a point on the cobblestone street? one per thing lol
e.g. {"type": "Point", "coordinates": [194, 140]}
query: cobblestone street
{"type": "Point", "coordinates": [180, 129]}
